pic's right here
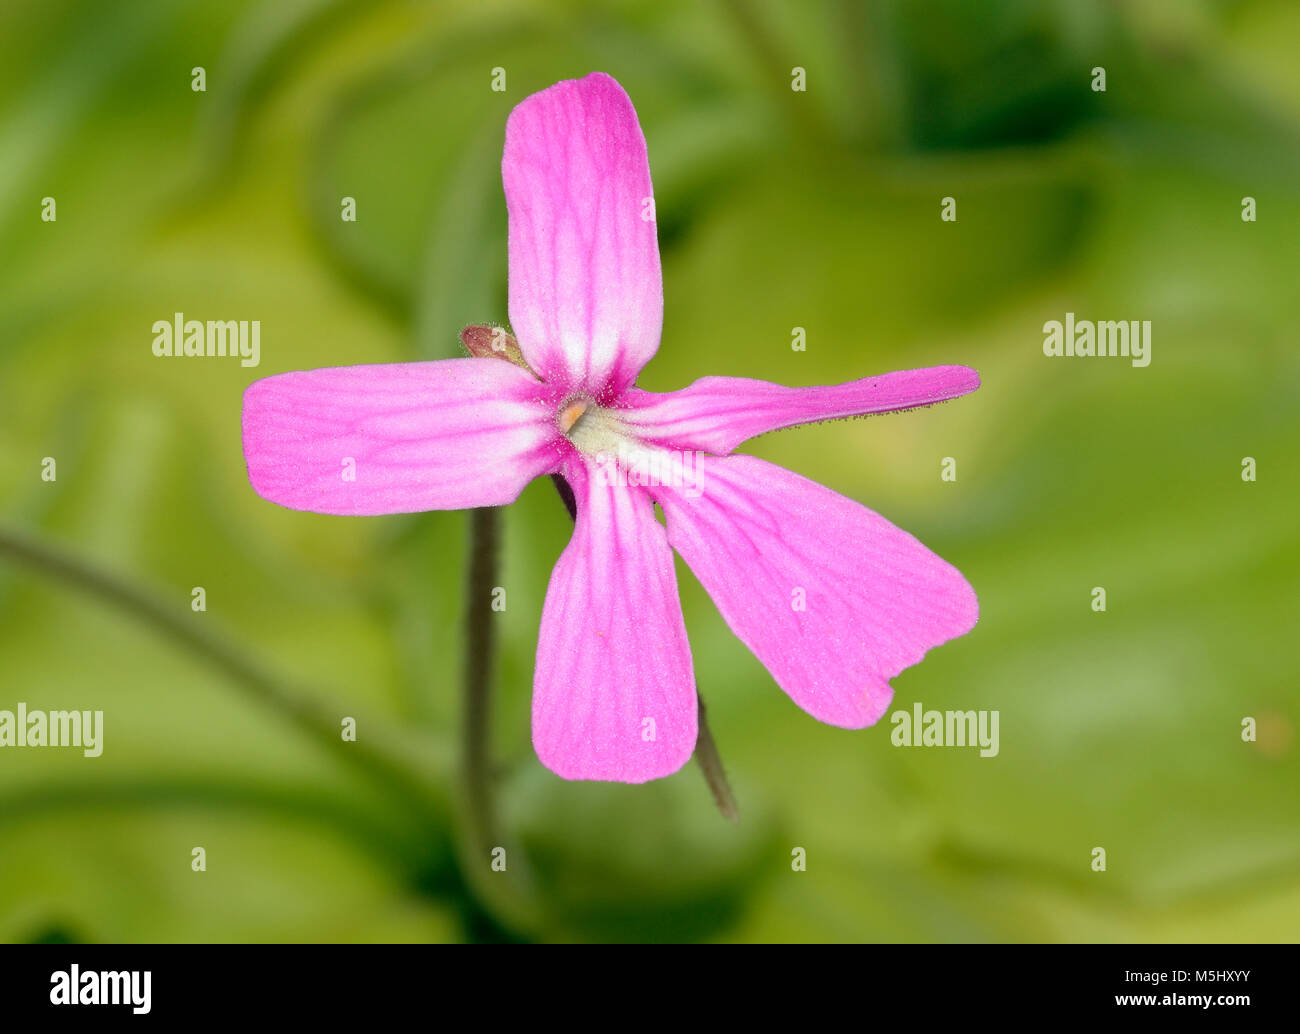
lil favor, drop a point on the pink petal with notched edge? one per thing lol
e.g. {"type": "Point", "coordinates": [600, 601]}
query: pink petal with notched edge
{"type": "Point", "coordinates": [613, 690]}
{"type": "Point", "coordinates": [419, 436]}
{"type": "Point", "coordinates": [762, 540]}
{"type": "Point", "coordinates": [715, 414]}
{"type": "Point", "coordinates": [586, 296]}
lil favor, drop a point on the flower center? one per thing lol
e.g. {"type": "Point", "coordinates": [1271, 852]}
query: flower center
{"type": "Point", "coordinates": [592, 429]}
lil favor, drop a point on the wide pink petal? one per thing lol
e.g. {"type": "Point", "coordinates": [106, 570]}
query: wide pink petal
{"type": "Point", "coordinates": [586, 296]}
{"type": "Point", "coordinates": [831, 597]}
{"type": "Point", "coordinates": [398, 437]}
{"type": "Point", "coordinates": [613, 692]}
{"type": "Point", "coordinates": [715, 414]}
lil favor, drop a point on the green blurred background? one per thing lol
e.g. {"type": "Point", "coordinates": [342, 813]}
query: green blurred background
{"type": "Point", "coordinates": [776, 210]}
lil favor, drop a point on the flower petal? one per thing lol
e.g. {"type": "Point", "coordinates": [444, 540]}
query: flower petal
{"type": "Point", "coordinates": [614, 690]}
{"type": "Point", "coordinates": [398, 437]}
{"type": "Point", "coordinates": [716, 414]}
{"type": "Point", "coordinates": [586, 295]}
{"type": "Point", "coordinates": [831, 597]}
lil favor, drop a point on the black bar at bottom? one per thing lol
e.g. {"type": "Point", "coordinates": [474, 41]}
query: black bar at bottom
{"type": "Point", "coordinates": [178, 983]}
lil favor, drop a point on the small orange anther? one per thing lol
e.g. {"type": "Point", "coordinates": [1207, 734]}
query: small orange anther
{"type": "Point", "coordinates": [569, 414]}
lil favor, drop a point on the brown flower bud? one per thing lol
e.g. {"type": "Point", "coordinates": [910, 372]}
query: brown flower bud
{"type": "Point", "coordinates": [493, 343]}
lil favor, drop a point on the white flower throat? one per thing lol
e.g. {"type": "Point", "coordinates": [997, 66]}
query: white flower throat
{"type": "Point", "coordinates": [620, 458]}
{"type": "Point", "coordinates": [593, 430]}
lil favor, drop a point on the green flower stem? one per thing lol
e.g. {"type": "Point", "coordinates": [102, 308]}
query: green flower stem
{"type": "Point", "coordinates": [480, 648]}
{"type": "Point", "coordinates": [507, 894]}
{"type": "Point", "coordinates": [710, 762]}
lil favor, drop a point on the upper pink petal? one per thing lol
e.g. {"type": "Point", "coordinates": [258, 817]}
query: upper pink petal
{"type": "Point", "coordinates": [613, 691]}
{"type": "Point", "coordinates": [398, 437]}
{"type": "Point", "coordinates": [716, 414]}
{"type": "Point", "coordinates": [586, 295]}
{"type": "Point", "coordinates": [831, 597]}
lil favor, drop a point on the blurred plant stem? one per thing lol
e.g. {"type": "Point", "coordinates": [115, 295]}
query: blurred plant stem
{"type": "Point", "coordinates": [410, 770]}
{"type": "Point", "coordinates": [505, 892]}
{"type": "Point", "coordinates": [775, 68]}
{"type": "Point", "coordinates": [706, 751]}
{"type": "Point", "coordinates": [710, 762]}
{"type": "Point", "coordinates": [391, 839]}
{"type": "Point", "coordinates": [480, 643]}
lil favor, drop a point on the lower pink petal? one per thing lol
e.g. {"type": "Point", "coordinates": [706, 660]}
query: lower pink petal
{"type": "Point", "coordinates": [613, 692]}
{"type": "Point", "coordinates": [716, 414]}
{"type": "Point", "coordinates": [398, 437]}
{"type": "Point", "coordinates": [765, 542]}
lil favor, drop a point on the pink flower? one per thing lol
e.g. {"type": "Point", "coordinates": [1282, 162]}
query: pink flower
{"type": "Point", "coordinates": [832, 598]}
